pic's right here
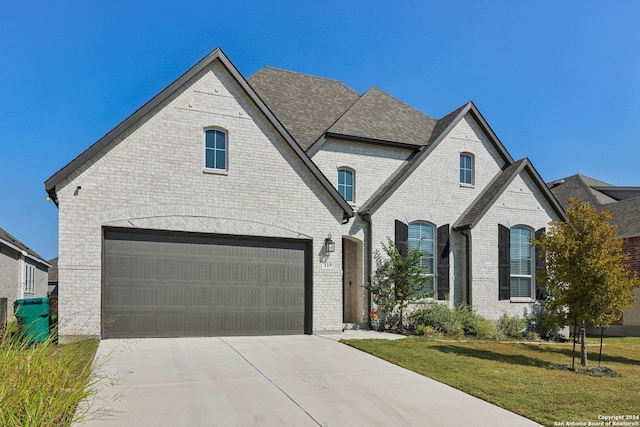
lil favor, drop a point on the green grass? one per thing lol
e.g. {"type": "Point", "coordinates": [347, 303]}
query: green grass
{"type": "Point", "coordinates": [42, 384]}
{"type": "Point", "coordinates": [521, 377]}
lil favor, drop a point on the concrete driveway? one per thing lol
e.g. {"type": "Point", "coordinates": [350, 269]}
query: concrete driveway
{"type": "Point", "coordinates": [274, 381]}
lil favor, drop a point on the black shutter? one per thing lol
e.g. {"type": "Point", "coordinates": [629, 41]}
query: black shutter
{"type": "Point", "coordinates": [504, 262]}
{"type": "Point", "coordinates": [541, 288]}
{"type": "Point", "coordinates": [402, 237]}
{"type": "Point", "coordinates": [443, 261]}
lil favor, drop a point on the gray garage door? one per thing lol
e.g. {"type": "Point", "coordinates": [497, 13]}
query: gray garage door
{"type": "Point", "coordinates": [164, 285]}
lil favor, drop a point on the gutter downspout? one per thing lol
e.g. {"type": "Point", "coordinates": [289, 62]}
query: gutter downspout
{"type": "Point", "coordinates": [467, 235]}
{"type": "Point", "coordinates": [367, 218]}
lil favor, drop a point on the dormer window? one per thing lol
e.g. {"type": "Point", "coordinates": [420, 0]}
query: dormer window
{"type": "Point", "coordinates": [346, 184]}
{"type": "Point", "coordinates": [466, 169]}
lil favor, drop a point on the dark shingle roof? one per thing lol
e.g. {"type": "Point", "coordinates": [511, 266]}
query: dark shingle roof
{"type": "Point", "coordinates": [305, 105]}
{"type": "Point", "coordinates": [18, 245]}
{"type": "Point", "coordinates": [626, 213]}
{"type": "Point", "coordinates": [377, 115]}
{"type": "Point", "coordinates": [53, 271]}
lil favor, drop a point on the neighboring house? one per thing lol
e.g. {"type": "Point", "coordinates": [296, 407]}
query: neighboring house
{"type": "Point", "coordinates": [624, 204]}
{"type": "Point", "coordinates": [23, 273]}
{"type": "Point", "coordinates": [230, 206]}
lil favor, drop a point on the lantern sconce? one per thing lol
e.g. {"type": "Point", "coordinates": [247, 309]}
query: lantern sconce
{"type": "Point", "coordinates": [329, 245]}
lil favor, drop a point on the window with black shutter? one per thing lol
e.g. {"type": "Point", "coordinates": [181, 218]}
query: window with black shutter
{"type": "Point", "coordinates": [504, 262]}
{"type": "Point", "coordinates": [443, 261]}
{"type": "Point", "coordinates": [541, 287]}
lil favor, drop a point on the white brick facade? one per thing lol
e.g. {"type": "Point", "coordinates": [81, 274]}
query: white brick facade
{"type": "Point", "coordinates": [520, 204]}
{"type": "Point", "coordinates": [372, 164]}
{"type": "Point", "coordinates": [152, 176]}
{"type": "Point", "coordinates": [433, 194]}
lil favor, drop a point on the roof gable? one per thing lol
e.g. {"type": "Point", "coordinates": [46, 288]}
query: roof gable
{"type": "Point", "coordinates": [306, 105]}
{"type": "Point", "coordinates": [494, 190]}
{"type": "Point", "coordinates": [216, 55]}
{"type": "Point", "coordinates": [441, 129]}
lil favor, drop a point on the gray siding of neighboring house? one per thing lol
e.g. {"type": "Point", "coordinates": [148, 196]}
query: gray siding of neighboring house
{"type": "Point", "coordinates": [9, 277]}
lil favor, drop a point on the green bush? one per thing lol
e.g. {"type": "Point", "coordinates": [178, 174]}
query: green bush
{"type": "Point", "coordinates": [483, 328]}
{"type": "Point", "coordinates": [455, 323]}
{"type": "Point", "coordinates": [43, 384]}
{"type": "Point", "coordinates": [512, 326]}
{"type": "Point", "coordinates": [426, 331]}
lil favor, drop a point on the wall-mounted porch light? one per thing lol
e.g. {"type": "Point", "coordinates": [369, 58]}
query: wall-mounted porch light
{"type": "Point", "coordinates": [329, 245]}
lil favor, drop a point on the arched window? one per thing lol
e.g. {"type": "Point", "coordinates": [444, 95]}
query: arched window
{"type": "Point", "coordinates": [346, 184]}
{"type": "Point", "coordinates": [522, 255]}
{"type": "Point", "coordinates": [466, 169]}
{"type": "Point", "coordinates": [215, 149]}
{"type": "Point", "coordinates": [422, 236]}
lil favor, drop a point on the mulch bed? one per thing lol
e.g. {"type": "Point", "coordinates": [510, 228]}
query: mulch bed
{"type": "Point", "coordinates": [599, 371]}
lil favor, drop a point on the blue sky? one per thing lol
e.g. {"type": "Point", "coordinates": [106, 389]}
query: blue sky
{"type": "Point", "coordinates": [559, 82]}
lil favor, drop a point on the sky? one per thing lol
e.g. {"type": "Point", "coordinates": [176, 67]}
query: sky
{"type": "Point", "coordinates": [558, 82]}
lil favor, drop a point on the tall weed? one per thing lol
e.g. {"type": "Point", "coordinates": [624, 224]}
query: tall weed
{"type": "Point", "coordinates": [43, 384]}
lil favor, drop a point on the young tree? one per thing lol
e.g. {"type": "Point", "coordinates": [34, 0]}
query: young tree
{"type": "Point", "coordinates": [585, 274]}
{"type": "Point", "coordinates": [397, 282]}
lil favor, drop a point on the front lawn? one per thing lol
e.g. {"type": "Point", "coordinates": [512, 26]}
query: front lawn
{"type": "Point", "coordinates": [522, 377]}
{"type": "Point", "coordinates": [42, 385]}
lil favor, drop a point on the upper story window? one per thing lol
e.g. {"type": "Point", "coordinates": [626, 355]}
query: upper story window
{"type": "Point", "coordinates": [215, 149]}
{"type": "Point", "coordinates": [422, 236]}
{"type": "Point", "coordinates": [29, 278]}
{"type": "Point", "coordinates": [522, 255]}
{"type": "Point", "coordinates": [466, 169]}
{"type": "Point", "coordinates": [346, 184]}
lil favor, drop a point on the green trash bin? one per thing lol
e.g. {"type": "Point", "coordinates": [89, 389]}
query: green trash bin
{"type": "Point", "coordinates": [33, 319]}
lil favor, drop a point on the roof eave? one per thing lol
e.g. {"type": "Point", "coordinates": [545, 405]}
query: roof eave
{"type": "Point", "coordinates": [25, 253]}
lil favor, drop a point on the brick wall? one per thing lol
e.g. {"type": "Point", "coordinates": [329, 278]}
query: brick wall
{"type": "Point", "coordinates": [631, 246]}
{"type": "Point", "coordinates": [521, 204]}
{"type": "Point", "coordinates": [372, 164]}
{"type": "Point", "coordinates": [433, 194]}
{"type": "Point", "coordinates": [152, 177]}
{"type": "Point", "coordinates": [9, 277]}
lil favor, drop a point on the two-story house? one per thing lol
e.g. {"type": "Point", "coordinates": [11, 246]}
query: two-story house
{"type": "Point", "coordinates": [228, 205]}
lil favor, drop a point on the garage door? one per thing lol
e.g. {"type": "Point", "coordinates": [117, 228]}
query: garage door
{"type": "Point", "coordinates": [179, 284]}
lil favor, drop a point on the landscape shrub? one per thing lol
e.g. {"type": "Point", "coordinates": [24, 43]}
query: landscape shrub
{"type": "Point", "coordinates": [512, 326]}
{"type": "Point", "coordinates": [454, 322]}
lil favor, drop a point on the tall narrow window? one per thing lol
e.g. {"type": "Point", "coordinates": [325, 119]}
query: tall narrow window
{"type": "Point", "coordinates": [422, 236]}
{"type": "Point", "coordinates": [346, 184]}
{"type": "Point", "coordinates": [521, 262]}
{"type": "Point", "coordinates": [215, 149]}
{"type": "Point", "coordinates": [466, 169]}
{"type": "Point", "coordinates": [29, 279]}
